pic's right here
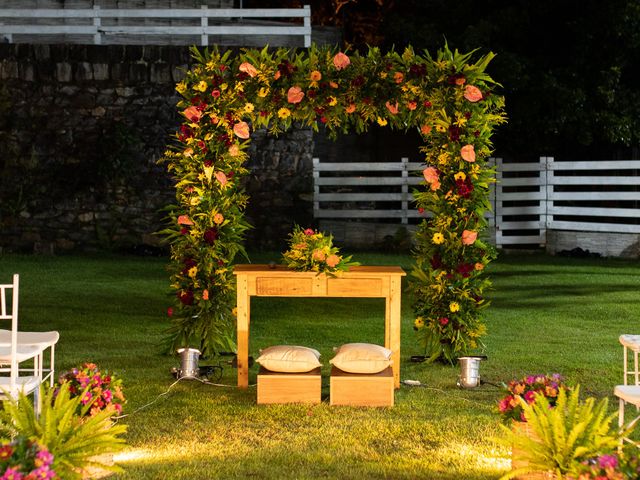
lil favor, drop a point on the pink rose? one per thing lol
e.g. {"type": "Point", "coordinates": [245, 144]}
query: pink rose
{"type": "Point", "coordinates": [341, 61]}
{"type": "Point", "coordinates": [308, 232]}
{"type": "Point", "coordinates": [468, 153]}
{"type": "Point", "coordinates": [249, 69]}
{"type": "Point", "coordinates": [193, 114]}
{"type": "Point", "coordinates": [431, 174]}
{"type": "Point", "coordinates": [295, 95]}
{"type": "Point", "coordinates": [222, 178]}
{"type": "Point", "coordinates": [473, 94]}
{"type": "Point", "coordinates": [241, 129]}
{"type": "Point", "coordinates": [333, 260]}
{"type": "Point", "coordinates": [393, 109]}
{"type": "Point", "coordinates": [469, 237]}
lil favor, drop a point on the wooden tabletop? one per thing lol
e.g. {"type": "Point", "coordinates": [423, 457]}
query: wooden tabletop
{"type": "Point", "coordinates": [281, 270]}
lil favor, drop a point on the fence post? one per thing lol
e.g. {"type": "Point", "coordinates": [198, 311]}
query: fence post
{"type": "Point", "coordinates": [307, 26]}
{"type": "Point", "coordinates": [498, 201]}
{"type": "Point", "coordinates": [204, 23]}
{"type": "Point", "coordinates": [405, 190]}
{"type": "Point", "coordinates": [97, 37]}
{"type": "Point", "coordinates": [549, 181]}
{"type": "Point", "coordinates": [316, 186]}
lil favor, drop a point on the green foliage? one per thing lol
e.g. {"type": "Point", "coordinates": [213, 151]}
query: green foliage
{"type": "Point", "coordinates": [74, 441]}
{"type": "Point", "coordinates": [225, 97]}
{"type": "Point", "coordinates": [572, 432]}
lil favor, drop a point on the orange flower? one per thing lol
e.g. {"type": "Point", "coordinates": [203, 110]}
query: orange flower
{"type": "Point", "coordinates": [295, 95]}
{"type": "Point", "coordinates": [318, 255]}
{"type": "Point", "coordinates": [412, 105]}
{"type": "Point", "coordinates": [468, 153]}
{"type": "Point", "coordinates": [333, 84]}
{"type": "Point", "coordinates": [184, 220]}
{"type": "Point", "coordinates": [249, 69]}
{"type": "Point", "coordinates": [473, 94]}
{"type": "Point", "coordinates": [393, 109]}
{"type": "Point", "coordinates": [460, 80]}
{"type": "Point", "coordinates": [241, 129]}
{"type": "Point", "coordinates": [315, 76]}
{"type": "Point", "coordinates": [435, 185]}
{"type": "Point", "coordinates": [425, 129]}
{"type": "Point", "coordinates": [350, 108]}
{"type": "Point", "coordinates": [277, 75]}
{"type": "Point", "coordinates": [431, 174]}
{"type": "Point", "coordinates": [205, 294]}
{"type": "Point", "coordinates": [398, 77]}
{"type": "Point", "coordinates": [333, 260]}
{"type": "Point", "coordinates": [218, 218]}
{"type": "Point", "coordinates": [193, 114]}
{"type": "Point", "coordinates": [222, 178]}
{"type": "Point", "coordinates": [469, 237]}
{"type": "Point", "coordinates": [479, 266]}
{"type": "Point", "coordinates": [341, 61]}
{"type": "Point", "coordinates": [234, 150]}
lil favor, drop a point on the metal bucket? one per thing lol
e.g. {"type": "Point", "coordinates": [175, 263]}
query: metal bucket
{"type": "Point", "coordinates": [469, 372]}
{"type": "Point", "coordinates": [188, 362]}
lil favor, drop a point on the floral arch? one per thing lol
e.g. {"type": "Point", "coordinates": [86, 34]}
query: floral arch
{"type": "Point", "coordinates": [226, 97]}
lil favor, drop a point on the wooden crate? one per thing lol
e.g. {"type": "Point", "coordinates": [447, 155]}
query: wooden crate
{"type": "Point", "coordinates": [363, 390]}
{"type": "Point", "coordinates": [275, 387]}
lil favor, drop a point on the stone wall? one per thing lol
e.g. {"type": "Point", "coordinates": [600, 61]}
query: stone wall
{"type": "Point", "coordinates": [81, 131]}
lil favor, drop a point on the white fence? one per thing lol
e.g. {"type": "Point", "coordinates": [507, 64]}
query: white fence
{"type": "Point", "coordinates": [151, 25]}
{"type": "Point", "coordinates": [529, 199]}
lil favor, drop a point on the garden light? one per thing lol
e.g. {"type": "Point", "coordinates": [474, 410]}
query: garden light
{"type": "Point", "coordinates": [188, 363]}
{"type": "Point", "coordinates": [469, 372]}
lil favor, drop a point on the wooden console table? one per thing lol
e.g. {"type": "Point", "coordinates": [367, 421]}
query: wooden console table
{"type": "Point", "coordinates": [361, 282]}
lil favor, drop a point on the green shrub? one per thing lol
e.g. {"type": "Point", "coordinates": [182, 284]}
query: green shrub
{"type": "Point", "coordinates": [74, 440]}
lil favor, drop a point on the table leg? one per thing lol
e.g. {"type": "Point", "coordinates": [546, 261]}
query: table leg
{"type": "Point", "coordinates": [243, 306]}
{"type": "Point", "coordinates": [392, 326]}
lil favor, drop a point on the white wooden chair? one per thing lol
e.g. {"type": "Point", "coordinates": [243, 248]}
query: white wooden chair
{"type": "Point", "coordinates": [629, 393]}
{"type": "Point", "coordinates": [14, 379]}
{"type": "Point", "coordinates": [40, 340]}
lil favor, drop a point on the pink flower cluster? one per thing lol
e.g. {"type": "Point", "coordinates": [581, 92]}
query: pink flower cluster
{"type": "Point", "coordinates": [101, 390]}
{"type": "Point", "coordinates": [23, 459]}
{"type": "Point", "coordinates": [526, 389]}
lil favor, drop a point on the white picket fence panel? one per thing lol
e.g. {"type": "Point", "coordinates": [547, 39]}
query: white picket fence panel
{"type": "Point", "coordinates": [103, 26]}
{"type": "Point", "coordinates": [529, 199]}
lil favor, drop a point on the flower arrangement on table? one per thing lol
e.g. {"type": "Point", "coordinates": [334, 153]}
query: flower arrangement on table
{"type": "Point", "coordinates": [25, 459]}
{"type": "Point", "coordinates": [526, 389]}
{"type": "Point", "coordinates": [101, 390]}
{"type": "Point", "coordinates": [310, 250]}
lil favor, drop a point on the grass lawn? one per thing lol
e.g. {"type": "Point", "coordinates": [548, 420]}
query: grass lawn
{"type": "Point", "coordinates": [548, 315]}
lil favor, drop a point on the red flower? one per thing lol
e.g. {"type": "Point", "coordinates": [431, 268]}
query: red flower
{"type": "Point", "coordinates": [186, 297]}
{"type": "Point", "coordinates": [210, 236]}
{"type": "Point", "coordinates": [169, 312]}
{"type": "Point", "coordinates": [443, 321]}
{"type": "Point", "coordinates": [215, 93]}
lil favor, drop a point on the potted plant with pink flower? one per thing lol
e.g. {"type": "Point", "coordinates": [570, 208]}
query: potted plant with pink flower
{"type": "Point", "coordinates": [310, 250]}
{"type": "Point", "coordinates": [526, 388]}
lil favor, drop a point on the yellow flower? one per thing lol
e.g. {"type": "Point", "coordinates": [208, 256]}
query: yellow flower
{"type": "Point", "coordinates": [284, 112]}
{"type": "Point", "coordinates": [460, 176]}
{"type": "Point", "coordinates": [383, 74]}
{"type": "Point", "coordinates": [201, 86]}
{"type": "Point", "coordinates": [381, 121]}
{"type": "Point", "coordinates": [419, 322]}
{"type": "Point", "coordinates": [454, 307]}
{"type": "Point", "coordinates": [248, 108]}
{"type": "Point", "coordinates": [437, 239]}
{"type": "Point", "coordinates": [210, 65]}
{"type": "Point", "coordinates": [181, 88]}
{"type": "Point", "coordinates": [224, 86]}
{"type": "Point", "coordinates": [475, 169]}
{"type": "Point", "coordinates": [440, 128]}
{"type": "Point", "coordinates": [460, 120]}
{"type": "Point", "coordinates": [193, 271]}
{"type": "Point", "coordinates": [333, 101]}
{"type": "Point", "coordinates": [263, 92]}
{"type": "Point", "coordinates": [235, 311]}
{"type": "Point", "coordinates": [443, 158]}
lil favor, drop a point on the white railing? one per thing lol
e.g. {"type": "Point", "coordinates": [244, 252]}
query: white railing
{"type": "Point", "coordinates": [101, 26]}
{"type": "Point", "coordinates": [529, 198]}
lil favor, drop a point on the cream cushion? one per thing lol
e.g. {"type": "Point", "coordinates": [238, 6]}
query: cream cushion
{"type": "Point", "coordinates": [361, 358]}
{"type": "Point", "coordinates": [289, 359]}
